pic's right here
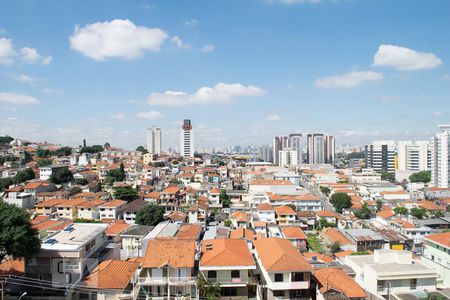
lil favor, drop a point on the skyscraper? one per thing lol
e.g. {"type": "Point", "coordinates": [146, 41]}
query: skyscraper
{"type": "Point", "coordinates": [320, 148]}
{"type": "Point", "coordinates": [413, 155]}
{"type": "Point", "coordinates": [265, 153]}
{"type": "Point", "coordinates": [279, 143]}
{"type": "Point", "coordinates": [296, 143]}
{"type": "Point", "coordinates": [187, 139]}
{"type": "Point", "coordinates": [380, 156]}
{"type": "Point", "coordinates": [154, 140]}
{"type": "Point", "coordinates": [439, 157]}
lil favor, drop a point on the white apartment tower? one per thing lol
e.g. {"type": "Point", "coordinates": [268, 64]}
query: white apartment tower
{"type": "Point", "coordinates": [154, 140]}
{"type": "Point", "coordinates": [279, 143]}
{"type": "Point", "coordinates": [320, 148]}
{"type": "Point", "coordinates": [296, 143]}
{"type": "Point", "coordinates": [288, 157]}
{"type": "Point", "coordinates": [380, 156]}
{"type": "Point", "coordinates": [439, 157]}
{"type": "Point", "coordinates": [413, 156]}
{"type": "Point", "coordinates": [187, 139]}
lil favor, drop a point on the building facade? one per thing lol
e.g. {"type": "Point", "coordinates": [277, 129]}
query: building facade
{"type": "Point", "coordinates": [154, 140]}
{"type": "Point", "coordinates": [380, 156]}
{"type": "Point", "coordinates": [187, 139]}
{"type": "Point", "coordinates": [439, 157]}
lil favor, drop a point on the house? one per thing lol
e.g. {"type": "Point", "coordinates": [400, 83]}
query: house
{"type": "Point", "coordinates": [265, 212]}
{"type": "Point", "coordinates": [285, 215]}
{"type": "Point", "coordinates": [436, 255]}
{"type": "Point", "coordinates": [16, 195]}
{"type": "Point", "coordinates": [416, 233]}
{"type": "Point", "coordinates": [331, 236]}
{"type": "Point", "coordinates": [286, 273]}
{"type": "Point", "coordinates": [132, 240]}
{"type": "Point", "coordinates": [65, 256]}
{"type": "Point", "coordinates": [68, 208]}
{"type": "Point", "coordinates": [239, 219]}
{"type": "Point", "coordinates": [114, 230]}
{"type": "Point", "coordinates": [177, 217]}
{"type": "Point", "coordinates": [130, 209]}
{"type": "Point", "coordinates": [111, 279]}
{"type": "Point", "coordinates": [329, 216]}
{"type": "Point", "coordinates": [170, 198]}
{"type": "Point", "coordinates": [333, 283]}
{"type": "Point", "coordinates": [214, 198]}
{"type": "Point", "coordinates": [383, 217]}
{"type": "Point", "coordinates": [229, 263]}
{"type": "Point", "coordinates": [296, 236]}
{"type": "Point", "coordinates": [168, 269]}
{"type": "Point", "coordinates": [48, 207]}
{"type": "Point", "coordinates": [110, 210]}
{"type": "Point", "coordinates": [89, 210]}
{"type": "Point", "coordinates": [189, 232]}
{"type": "Point", "coordinates": [46, 171]}
{"type": "Point", "coordinates": [391, 271]}
{"type": "Point", "coordinates": [363, 239]}
{"type": "Point", "coordinates": [35, 187]}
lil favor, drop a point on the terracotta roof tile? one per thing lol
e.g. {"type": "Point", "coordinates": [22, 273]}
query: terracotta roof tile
{"type": "Point", "coordinates": [174, 253]}
{"type": "Point", "coordinates": [293, 232]}
{"type": "Point", "coordinates": [112, 274]}
{"type": "Point", "coordinates": [225, 252]}
{"type": "Point", "coordinates": [338, 280]}
{"type": "Point", "coordinates": [441, 238]}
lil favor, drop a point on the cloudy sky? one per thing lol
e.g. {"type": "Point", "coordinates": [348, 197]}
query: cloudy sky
{"type": "Point", "coordinates": [242, 70]}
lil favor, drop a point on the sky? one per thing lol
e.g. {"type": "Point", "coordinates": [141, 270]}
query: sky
{"type": "Point", "coordinates": [242, 70]}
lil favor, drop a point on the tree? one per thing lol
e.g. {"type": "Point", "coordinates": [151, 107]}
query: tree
{"type": "Point", "coordinates": [116, 175]}
{"type": "Point", "coordinates": [340, 201]}
{"type": "Point", "coordinates": [61, 175]}
{"type": "Point", "coordinates": [325, 190]}
{"type": "Point", "coordinates": [335, 247]}
{"type": "Point", "coordinates": [23, 176]}
{"type": "Point", "coordinates": [81, 181]}
{"type": "Point", "coordinates": [227, 223]}
{"type": "Point", "coordinates": [18, 238]}
{"type": "Point", "coordinates": [6, 139]}
{"type": "Point", "coordinates": [224, 198]}
{"type": "Point", "coordinates": [438, 214]}
{"type": "Point", "coordinates": [43, 153]}
{"type": "Point", "coordinates": [379, 204]}
{"type": "Point", "coordinates": [142, 149]}
{"type": "Point", "coordinates": [75, 190]}
{"type": "Point", "coordinates": [92, 149]}
{"type": "Point", "coordinates": [323, 223]}
{"type": "Point", "coordinates": [5, 183]}
{"type": "Point", "coordinates": [126, 193]}
{"type": "Point", "coordinates": [208, 290]}
{"type": "Point", "coordinates": [63, 151]}
{"type": "Point", "coordinates": [423, 176]}
{"type": "Point", "coordinates": [41, 162]}
{"type": "Point", "coordinates": [388, 176]}
{"type": "Point", "coordinates": [364, 212]}
{"type": "Point", "coordinates": [150, 215]}
{"type": "Point", "coordinates": [400, 210]}
{"type": "Point", "coordinates": [159, 164]}
{"type": "Point", "coordinates": [418, 212]}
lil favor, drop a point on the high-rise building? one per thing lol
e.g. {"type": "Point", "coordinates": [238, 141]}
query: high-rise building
{"type": "Point", "coordinates": [439, 157]}
{"type": "Point", "coordinates": [413, 155]}
{"type": "Point", "coordinates": [320, 148]}
{"type": "Point", "coordinates": [187, 139]}
{"type": "Point", "coordinates": [380, 156]}
{"type": "Point", "coordinates": [154, 140]}
{"type": "Point", "coordinates": [296, 143]}
{"type": "Point", "coordinates": [279, 143]}
{"type": "Point", "coordinates": [288, 157]}
{"type": "Point", "coordinates": [265, 153]}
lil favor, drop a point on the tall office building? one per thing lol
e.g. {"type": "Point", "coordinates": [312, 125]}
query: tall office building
{"type": "Point", "coordinates": [320, 148]}
{"type": "Point", "coordinates": [279, 143]}
{"type": "Point", "coordinates": [380, 156]}
{"type": "Point", "coordinates": [265, 153]}
{"type": "Point", "coordinates": [439, 157]}
{"type": "Point", "coordinates": [187, 139]}
{"type": "Point", "coordinates": [154, 140]}
{"type": "Point", "coordinates": [413, 155]}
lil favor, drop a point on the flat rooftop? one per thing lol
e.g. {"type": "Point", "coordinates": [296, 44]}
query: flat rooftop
{"type": "Point", "coordinates": [73, 239]}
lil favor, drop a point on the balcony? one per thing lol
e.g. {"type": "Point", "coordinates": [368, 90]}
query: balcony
{"type": "Point", "coordinates": [229, 280]}
{"type": "Point", "coordinates": [294, 285]}
{"type": "Point", "coordinates": [167, 280]}
{"type": "Point", "coordinates": [152, 280]}
{"type": "Point", "coordinates": [182, 280]}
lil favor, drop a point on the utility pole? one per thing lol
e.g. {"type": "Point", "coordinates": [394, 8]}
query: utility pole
{"type": "Point", "coordinates": [2, 284]}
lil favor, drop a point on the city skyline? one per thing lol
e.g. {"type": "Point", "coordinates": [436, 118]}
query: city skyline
{"type": "Point", "coordinates": [188, 65]}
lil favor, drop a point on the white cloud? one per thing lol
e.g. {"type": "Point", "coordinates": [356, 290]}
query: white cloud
{"type": "Point", "coordinates": [118, 116]}
{"type": "Point", "coordinates": [192, 22]}
{"type": "Point", "coordinates": [179, 43]}
{"type": "Point", "coordinates": [150, 115]}
{"type": "Point", "coordinates": [348, 80]}
{"type": "Point", "coordinates": [221, 93]}
{"type": "Point", "coordinates": [404, 59]}
{"type": "Point", "coordinates": [7, 52]}
{"type": "Point", "coordinates": [116, 39]}
{"type": "Point", "coordinates": [31, 56]}
{"type": "Point", "coordinates": [208, 48]}
{"type": "Point", "coordinates": [273, 117]}
{"type": "Point", "coordinates": [20, 99]}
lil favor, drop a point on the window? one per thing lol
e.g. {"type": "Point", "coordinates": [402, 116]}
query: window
{"type": "Point", "coordinates": [413, 284]}
{"type": "Point", "coordinates": [278, 277]}
{"type": "Point", "coordinates": [278, 293]}
{"type": "Point", "coordinates": [60, 267]}
{"type": "Point", "coordinates": [235, 274]}
{"type": "Point", "coordinates": [212, 274]}
{"type": "Point", "coordinates": [297, 277]}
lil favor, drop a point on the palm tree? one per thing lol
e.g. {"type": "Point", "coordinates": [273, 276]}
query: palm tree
{"type": "Point", "coordinates": [207, 289]}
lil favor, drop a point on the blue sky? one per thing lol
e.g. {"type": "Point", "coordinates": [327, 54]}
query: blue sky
{"type": "Point", "coordinates": [242, 70]}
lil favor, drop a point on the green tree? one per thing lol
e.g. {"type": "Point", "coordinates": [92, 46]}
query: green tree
{"type": "Point", "coordinates": [418, 212]}
{"type": "Point", "coordinates": [423, 176]}
{"type": "Point", "coordinates": [115, 175]}
{"type": "Point", "coordinates": [23, 176]}
{"type": "Point", "coordinates": [224, 198]}
{"type": "Point", "coordinates": [127, 193]}
{"type": "Point", "coordinates": [379, 204]}
{"type": "Point", "coordinates": [294, 208]}
{"type": "Point", "coordinates": [6, 139]}
{"type": "Point", "coordinates": [43, 153]}
{"type": "Point", "coordinates": [364, 212]}
{"type": "Point", "coordinates": [41, 162]}
{"type": "Point", "coordinates": [150, 215]}
{"type": "Point", "coordinates": [75, 190]}
{"type": "Point", "coordinates": [18, 238]}
{"type": "Point", "coordinates": [159, 164]}
{"type": "Point", "coordinates": [81, 181]}
{"type": "Point", "coordinates": [63, 151]}
{"type": "Point", "coordinates": [400, 210]}
{"type": "Point", "coordinates": [5, 183]}
{"type": "Point", "coordinates": [334, 247]}
{"type": "Point", "coordinates": [340, 201]}
{"type": "Point", "coordinates": [325, 190]}
{"type": "Point", "coordinates": [388, 176]}
{"type": "Point", "coordinates": [227, 223]}
{"type": "Point", "coordinates": [142, 149]}
{"type": "Point", "coordinates": [61, 175]}
{"type": "Point", "coordinates": [92, 149]}
{"type": "Point", "coordinates": [438, 214]}
{"type": "Point", "coordinates": [323, 223]}
{"type": "Point", "coordinates": [208, 290]}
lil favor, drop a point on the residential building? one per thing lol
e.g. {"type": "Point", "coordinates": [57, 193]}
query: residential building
{"type": "Point", "coordinates": [297, 143]}
{"type": "Point", "coordinates": [132, 240]}
{"type": "Point", "coordinates": [279, 143]}
{"type": "Point", "coordinates": [265, 153]}
{"type": "Point", "coordinates": [285, 271]}
{"type": "Point", "coordinates": [380, 156]}
{"type": "Point", "coordinates": [229, 263]}
{"type": "Point", "coordinates": [436, 255]}
{"type": "Point", "coordinates": [187, 139]}
{"type": "Point", "coordinates": [154, 140]}
{"type": "Point", "coordinates": [320, 148]}
{"type": "Point", "coordinates": [288, 157]}
{"type": "Point", "coordinates": [413, 156]}
{"type": "Point", "coordinates": [168, 270]}
{"type": "Point", "coordinates": [440, 162]}
{"type": "Point", "coordinates": [110, 210]}
{"type": "Point", "coordinates": [46, 171]}
{"type": "Point", "coordinates": [334, 283]}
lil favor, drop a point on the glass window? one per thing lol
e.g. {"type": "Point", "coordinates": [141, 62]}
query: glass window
{"type": "Point", "coordinates": [212, 274]}
{"type": "Point", "coordinates": [235, 274]}
{"type": "Point", "coordinates": [278, 277]}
